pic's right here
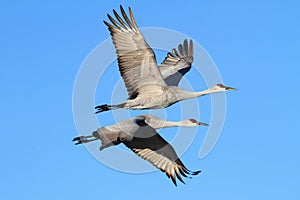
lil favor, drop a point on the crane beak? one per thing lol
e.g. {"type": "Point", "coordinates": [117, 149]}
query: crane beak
{"type": "Point", "coordinates": [230, 88]}
{"type": "Point", "coordinates": [202, 124]}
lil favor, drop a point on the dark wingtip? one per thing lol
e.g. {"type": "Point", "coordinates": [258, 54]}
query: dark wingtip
{"type": "Point", "coordinates": [97, 107]}
{"type": "Point", "coordinates": [196, 172]}
{"type": "Point", "coordinates": [78, 142]}
{"type": "Point", "coordinates": [179, 177]}
{"type": "Point", "coordinates": [173, 179]}
{"type": "Point", "coordinates": [115, 13]}
{"type": "Point", "coordinates": [105, 22]}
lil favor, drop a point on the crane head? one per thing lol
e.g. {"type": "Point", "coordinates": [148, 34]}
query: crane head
{"type": "Point", "coordinates": [223, 87]}
{"type": "Point", "coordinates": [194, 122]}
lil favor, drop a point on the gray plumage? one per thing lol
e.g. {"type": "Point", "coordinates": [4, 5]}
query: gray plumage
{"type": "Point", "coordinates": [176, 65]}
{"type": "Point", "coordinates": [139, 135]}
{"type": "Point", "coordinates": [148, 86]}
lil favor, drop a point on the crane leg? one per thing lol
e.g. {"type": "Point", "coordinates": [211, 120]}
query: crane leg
{"type": "Point", "coordinates": [103, 108]}
{"type": "Point", "coordinates": [106, 107]}
{"type": "Point", "coordinates": [83, 139]}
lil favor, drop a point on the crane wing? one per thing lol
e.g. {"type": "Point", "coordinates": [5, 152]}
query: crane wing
{"type": "Point", "coordinates": [176, 65]}
{"type": "Point", "coordinates": [136, 60]}
{"type": "Point", "coordinates": [150, 146]}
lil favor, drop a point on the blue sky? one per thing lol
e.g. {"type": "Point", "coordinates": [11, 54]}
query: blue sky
{"type": "Point", "coordinates": [256, 48]}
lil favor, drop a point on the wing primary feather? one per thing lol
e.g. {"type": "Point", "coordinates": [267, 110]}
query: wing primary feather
{"type": "Point", "coordinates": [114, 22]}
{"type": "Point", "coordinates": [173, 179]}
{"type": "Point", "coordinates": [120, 19]}
{"type": "Point", "coordinates": [125, 17]}
{"type": "Point", "coordinates": [109, 25]}
{"type": "Point", "coordinates": [180, 49]}
{"type": "Point", "coordinates": [185, 170]}
{"type": "Point", "coordinates": [191, 172]}
{"type": "Point", "coordinates": [175, 52]}
{"type": "Point", "coordinates": [191, 48]}
{"type": "Point", "coordinates": [178, 175]}
{"type": "Point", "coordinates": [169, 55]}
{"type": "Point", "coordinates": [185, 47]}
{"type": "Point", "coordinates": [182, 172]}
{"type": "Point", "coordinates": [172, 174]}
{"type": "Point", "coordinates": [167, 174]}
{"type": "Point", "coordinates": [168, 170]}
{"type": "Point", "coordinates": [196, 172]}
{"type": "Point", "coordinates": [132, 19]}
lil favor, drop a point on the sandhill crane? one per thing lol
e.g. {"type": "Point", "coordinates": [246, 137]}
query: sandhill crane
{"type": "Point", "coordinates": [139, 135]}
{"type": "Point", "coordinates": [145, 84]}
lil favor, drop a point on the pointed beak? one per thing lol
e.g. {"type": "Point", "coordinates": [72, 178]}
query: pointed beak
{"type": "Point", "coordinates": [202, 124]}
{"type": "Point", "coordinates": [230, 88]}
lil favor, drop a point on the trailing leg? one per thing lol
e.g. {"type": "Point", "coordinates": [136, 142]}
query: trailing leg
{"type": "Point", "coordinates": [84, 139]}
{"type": "Point", "coordinates": [106, 107]}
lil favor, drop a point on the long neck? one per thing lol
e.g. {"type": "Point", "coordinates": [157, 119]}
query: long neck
{"type": "Point", "coordinates": [164, 124]}
{"type": "Point", "coordinates": [188, 95]}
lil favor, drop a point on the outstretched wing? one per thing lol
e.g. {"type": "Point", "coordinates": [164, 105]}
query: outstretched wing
{"type": "Point", "coordinates": [149, 145]}
{"type": "Point", "coordinates": [137, 62]}
{"type": "Point", "coordinates": [176, 65]}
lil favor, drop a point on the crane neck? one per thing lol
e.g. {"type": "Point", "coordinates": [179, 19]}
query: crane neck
{"type": "Point", "coordinates": [164, 124]}
{"type": "Point", "coordinates": [188, 95]}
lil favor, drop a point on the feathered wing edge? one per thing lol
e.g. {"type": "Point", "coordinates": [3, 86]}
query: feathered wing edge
{"type": "Point", "coordinates": [122, 25]}
{"type": "Point", "coordinates": [172, 169]}
{"type": "Point", "coordinates": [153, 148]}
{"type": "Point", "coordinates": [177, 63]}
{"type": "Point", "coordinates": [136, 59]}
{"type": "Point", "coordinates": [186, 53]}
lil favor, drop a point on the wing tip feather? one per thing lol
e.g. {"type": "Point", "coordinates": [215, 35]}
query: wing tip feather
{"type": "Point", "coordinates": [132, 19]}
